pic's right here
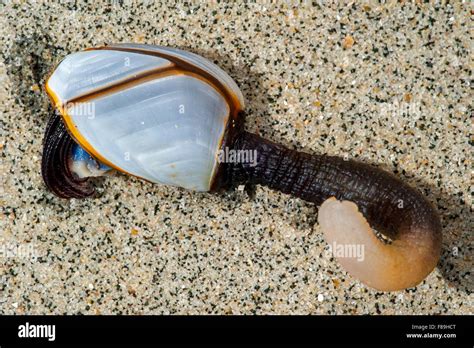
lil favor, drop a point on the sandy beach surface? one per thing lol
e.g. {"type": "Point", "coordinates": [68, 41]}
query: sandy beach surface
{"type": "Point", "coordinates": [385, 84]}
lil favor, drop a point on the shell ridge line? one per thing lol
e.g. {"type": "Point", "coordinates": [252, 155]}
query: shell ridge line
{"type": "Point", "coordinates": [122, 84]}
{"type": "Point", "coordinates": [197, 61]}
{"type": "Point", "coordinates": [97, 90]}
{"type": "Point", "coordinates": [228, 95]}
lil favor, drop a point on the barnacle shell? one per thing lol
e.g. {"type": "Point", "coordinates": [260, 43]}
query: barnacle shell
{"type": "Point", "coordinates": [154, 112]}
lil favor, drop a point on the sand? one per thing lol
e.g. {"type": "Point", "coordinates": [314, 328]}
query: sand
{"type": "Point", "coordinates": [386, 84]}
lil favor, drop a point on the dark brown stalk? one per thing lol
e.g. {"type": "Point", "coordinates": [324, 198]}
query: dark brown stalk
{"type": "Point", "coordinates": [389, 205]}
{"type": "Point", "coordinates": [57, 176]}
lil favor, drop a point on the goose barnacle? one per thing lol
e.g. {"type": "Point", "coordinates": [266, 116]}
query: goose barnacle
{"type": "Point", "coordinates": [165, 115]}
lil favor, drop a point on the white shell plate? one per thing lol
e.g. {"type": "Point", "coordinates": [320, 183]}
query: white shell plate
{"type": "Point", "coordinates": [166, 130]}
